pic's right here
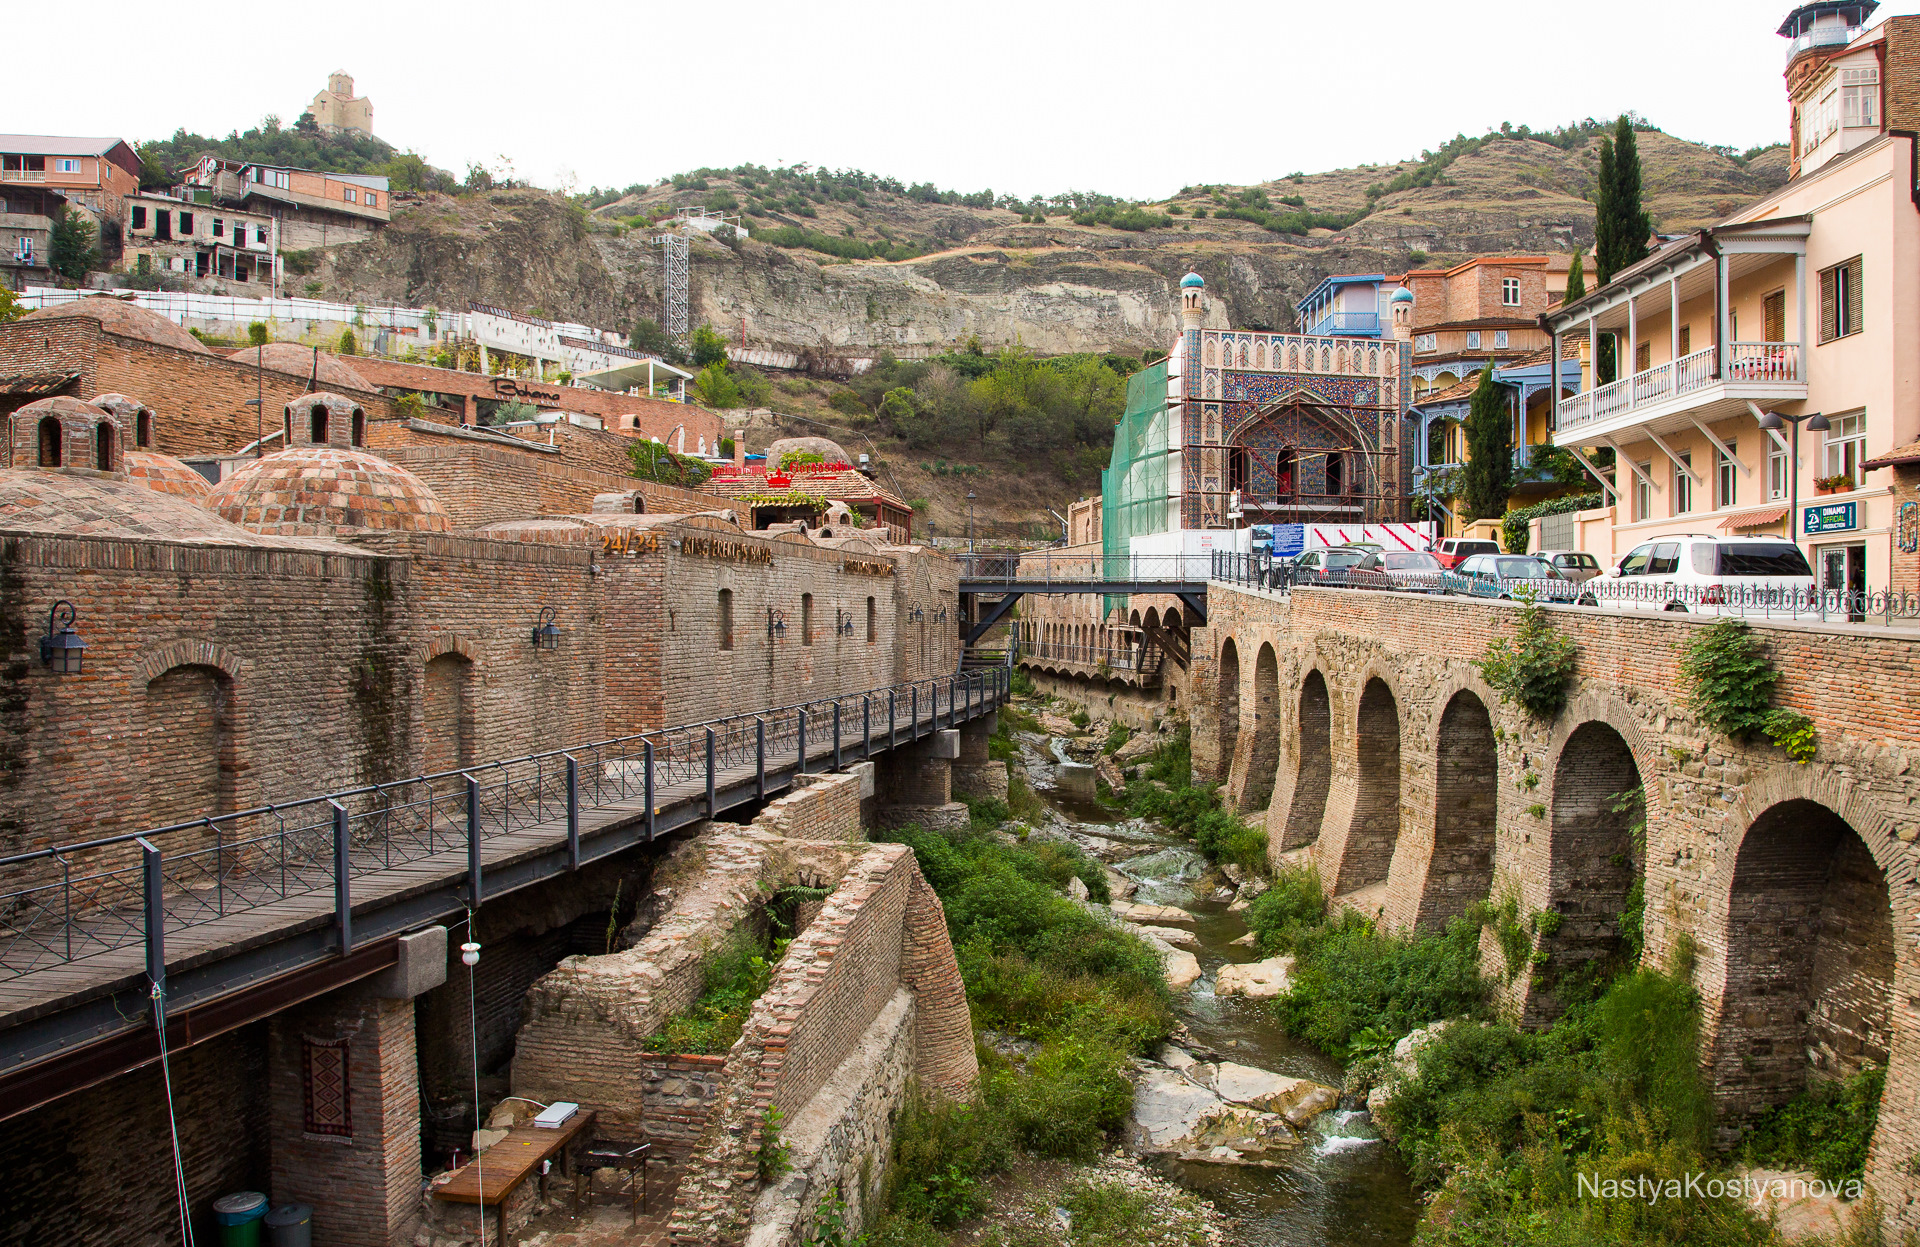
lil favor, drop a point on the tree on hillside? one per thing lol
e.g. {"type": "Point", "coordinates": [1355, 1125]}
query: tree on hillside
{"type": "Point", "coordinates": [74, 254]}
{"type": "Point", "coordinates": [649, 337]}
{"type": "Point", "coordinates": [1489, 472]}
{"type": "Point", "coordinates": [708, 348]}
{"type": "Point", "coordinates": [1620, 222]}
{"type": "Point", "coordinates": [1576, 278]}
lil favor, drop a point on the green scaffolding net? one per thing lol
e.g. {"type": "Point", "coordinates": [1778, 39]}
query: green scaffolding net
{"type": "Point", "coordinates": [1133, 489]}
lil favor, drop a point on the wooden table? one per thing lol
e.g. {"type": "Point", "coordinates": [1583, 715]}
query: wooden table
{"type": "Point", "coordinates": [490, 1178]}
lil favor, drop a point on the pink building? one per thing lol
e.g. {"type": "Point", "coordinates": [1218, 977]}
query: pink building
{"type": "Point", "coordinates": [1805, 302]}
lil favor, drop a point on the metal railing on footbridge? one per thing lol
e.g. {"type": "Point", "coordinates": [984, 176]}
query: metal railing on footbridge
{"type": "Point", "coordinates": [69, 902]}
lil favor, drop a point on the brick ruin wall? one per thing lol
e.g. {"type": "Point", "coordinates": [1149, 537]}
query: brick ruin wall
{"type": "Point", "coordinates": [1778, 875]}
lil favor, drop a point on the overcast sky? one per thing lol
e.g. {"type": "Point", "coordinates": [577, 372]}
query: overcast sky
{"type": "Point", "coordinates": [1035, 97]}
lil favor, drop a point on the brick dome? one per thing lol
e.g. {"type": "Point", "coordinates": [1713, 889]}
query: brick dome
{"type": "Point", "coordinates": [129, 320]}
{"type": "Point", "coordinates": [300, 361]}
{"type": "Point", "coordinates": [166, 475]}
{"type": "Point", "coordinates": [316, 490]}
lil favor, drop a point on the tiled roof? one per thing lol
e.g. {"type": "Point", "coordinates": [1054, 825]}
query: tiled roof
{"type": "Point", "coordinates": [166, 475]}
{"type": "Point", "coordinates": [1910, 453]}
{"type": "Point", "coordinates": [317, 490]}
{"type": "Point", "coordinates": [95, 504]}
{"type": "Point", "coordinates": [842, 484]}
{"type": "Point", "coordinates": [129, 320]}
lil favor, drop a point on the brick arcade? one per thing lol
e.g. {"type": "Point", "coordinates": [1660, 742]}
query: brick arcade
{"type": "Point", "coordinates": [1359, 728]}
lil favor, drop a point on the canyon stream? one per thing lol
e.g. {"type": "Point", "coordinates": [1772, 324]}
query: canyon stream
{"type": "Point", "coordinates": [1344, 1185]}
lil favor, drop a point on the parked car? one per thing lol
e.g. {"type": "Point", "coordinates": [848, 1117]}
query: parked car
{"type": "Point", "coordinates": [1577, 565]}
{"type": "Point", "coordinates": [1450, 550]}
{"type": "Point", "coordinates": [1508, 576]}
{"type": "Point", "coordinates": [1324, 567]}
{"type": "Point", "coordinates": [1713, 574]}
{"type": "Point", "coordinates": [1414, 571]}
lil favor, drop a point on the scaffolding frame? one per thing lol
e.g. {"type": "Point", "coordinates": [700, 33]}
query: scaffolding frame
{"type": "Point", "coordinates": [676, 272]}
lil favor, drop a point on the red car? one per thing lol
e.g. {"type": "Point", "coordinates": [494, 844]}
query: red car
{"type": "Point", "coordinates": [1450, 550]}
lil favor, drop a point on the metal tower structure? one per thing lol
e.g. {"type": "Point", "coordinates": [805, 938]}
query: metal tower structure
{"type": "Point", "coordinates": [676, 265]}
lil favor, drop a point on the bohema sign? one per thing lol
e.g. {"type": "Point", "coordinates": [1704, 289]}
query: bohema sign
{"type": "Point", "coordinates": [729, 551]}
{"type": "Point", "coordinates": [513, 387]}
{"type": "Point", "coordinates": [1832, 517]}
{"type": "Point", "coordinates": [867, 567]}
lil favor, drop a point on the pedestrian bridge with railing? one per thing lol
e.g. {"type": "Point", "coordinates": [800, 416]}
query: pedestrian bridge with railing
{"type": "Point", "coordinates": [205, 908]}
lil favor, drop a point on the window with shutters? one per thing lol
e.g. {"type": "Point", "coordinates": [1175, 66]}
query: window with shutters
{"type": "Point", "coordinates": [1643, 357]}
{"type": "Point", "coordinates": [1840, 300]}
{"type": "Point", "coordinates": [1773, 313]}
{"type": "Point", "coordinates": [1686, 339]}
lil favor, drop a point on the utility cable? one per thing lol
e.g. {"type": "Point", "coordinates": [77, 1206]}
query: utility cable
{"type": "Point", "coordinates": [173, 1124]}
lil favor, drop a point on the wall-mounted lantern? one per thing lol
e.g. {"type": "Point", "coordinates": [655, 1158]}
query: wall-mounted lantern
{"type": "Point", "coordinates": [546, 634]}
{"type": "Point", "coordinates": [776, 624]}
{"type": "Point", "coordinates": [941, 617]}
{"type": "Point", "coordinates": [844, 624]}
{"type": "Point", "coordinates": [916, 615]}
{"type": "Point", "coordinates": [62, 650]}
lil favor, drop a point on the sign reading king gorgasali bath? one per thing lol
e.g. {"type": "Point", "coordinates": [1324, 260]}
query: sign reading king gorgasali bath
{"type": "Point", "coordinates": [867, 567]}
{"type": "Point", "coordinates": [732, 551]}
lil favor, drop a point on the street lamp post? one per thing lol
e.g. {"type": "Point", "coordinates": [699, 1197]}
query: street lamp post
{"type": "Point", "coordinates": [969, 521]}
{"type": "Point", "coordinates": [1816, 423]}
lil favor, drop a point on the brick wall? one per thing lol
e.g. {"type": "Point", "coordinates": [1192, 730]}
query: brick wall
{"type": "Point", "coordinates": [200, 399]}
{"type": "Point", "coordinates": [875, 934]}
{"type": "Point", "coordinates": [826, 808]}
{"type": "Point", "coordinates": [96, 1169]}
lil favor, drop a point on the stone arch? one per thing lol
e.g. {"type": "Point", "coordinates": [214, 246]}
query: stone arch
{"type": "Point", "coordinates": [1466, 803]}
{"type": "Point", "coordinates": [1374, 831]}
{"type": "Point", "coordinates": [447, 711]}
{"type": "Point", "coordinates": [1594, 857]}
{"type": "Point", "coordinates": [52, 441]}
{"type": "Point", "coordinates": [1807, 983]}
{"type": "Point", "coordinates": [1229, 677]}
{"type": "Point", "coordinates": [185, 653]}
{"type": "Point", "coordinates": [1264, 759]}
{"type": "Point", "coordinates": [105, 451]}
{"type": "Point", "coordinates": [1314, 766]}
{"type": "Point", "coordinates": [189, 746]}
{"type": "Point", "coordinates": [447, 643]}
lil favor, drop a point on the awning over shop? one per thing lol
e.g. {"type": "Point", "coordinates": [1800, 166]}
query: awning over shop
{"type": "Point", "coordinates": [1753, 519]}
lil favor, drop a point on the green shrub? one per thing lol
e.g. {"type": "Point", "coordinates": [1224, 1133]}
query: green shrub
{"type": "Point", "coordinates": [734, 977]}
{"type": "Point", "coordinates": [1731, 680]}
{"type": "Point", "coordinates": [1534, 668]}
{"type": "Point", "coordinates": [1350, 977]}
{"type": "Point", "coordinates": [1292, 905]}
{"type": "Point", "coordinates": [1825, 1128]}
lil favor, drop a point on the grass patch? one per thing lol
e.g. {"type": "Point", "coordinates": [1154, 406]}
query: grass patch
{"type": "Point", "coordinates": [734, 977]}
{"type": "Point", "coordinates": [1194, 810]}
{"type": "Point", "coordinates": [1035, 964]}
{"type": "Point", "coordinates": [1118, 734]}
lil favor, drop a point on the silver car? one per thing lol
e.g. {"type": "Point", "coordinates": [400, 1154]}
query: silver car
{"type": "Point", "coordinates": [1576, 565]}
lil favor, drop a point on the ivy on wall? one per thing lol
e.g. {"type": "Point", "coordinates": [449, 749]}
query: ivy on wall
{"type": "Point", "coordinates": [1731, 678]}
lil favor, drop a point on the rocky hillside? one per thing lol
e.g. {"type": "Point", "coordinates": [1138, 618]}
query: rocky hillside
{"type": "Point", "coordinates": [957, 270]}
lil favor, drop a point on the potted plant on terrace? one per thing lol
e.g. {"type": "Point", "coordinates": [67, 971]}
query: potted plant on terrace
{"type": "Point", "coordinates": [1833, 484]}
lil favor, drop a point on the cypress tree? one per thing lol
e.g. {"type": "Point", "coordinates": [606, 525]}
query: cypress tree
{"type": "Point", "coordinates": [1576, 278]}
{"type": "Point", "coordinates": [1620, 224]}
{"type": "Point", "coordinates": [1489, 474]}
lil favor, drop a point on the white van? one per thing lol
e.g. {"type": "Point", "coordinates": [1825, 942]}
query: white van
{"type": "Point", "coordinates": [1713, 575]}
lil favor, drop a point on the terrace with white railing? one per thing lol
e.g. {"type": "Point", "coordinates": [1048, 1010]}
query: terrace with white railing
{"type": "Point", "coordinates": [1702, 289]}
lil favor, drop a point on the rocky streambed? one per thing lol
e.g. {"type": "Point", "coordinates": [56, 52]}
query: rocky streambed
{"type": "Point", "coordinates": [1232, 1107]}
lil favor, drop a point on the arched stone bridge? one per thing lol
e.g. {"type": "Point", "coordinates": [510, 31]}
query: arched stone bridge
{"type": "Point", "coordinates": [1360, 724]}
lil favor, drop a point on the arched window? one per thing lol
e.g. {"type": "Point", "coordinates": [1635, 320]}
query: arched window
{"type": "Point", "coordinates": [50, 441]}
{"type": "Point", "coordinates": [872, 622]}
{"type": "Point", "coordinates": [806, 619]}
{"type": "Point", "coordinates": [726, 619]}
{"type": "Point", "coordinates": [286, 428]}
{"type": "Point", "coordinates": [317, 425]}
{"type": "Point", "coordinates": [103, 446]}
{"type": "Point", "coordinates": [359, 427]}
{"type": "Point", "coordinates": [143, 430]}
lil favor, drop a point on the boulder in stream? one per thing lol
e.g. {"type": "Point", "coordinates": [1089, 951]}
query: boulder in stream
{"type": "Point", "coordinates": [1151, 913]}
{"type": "Point", "coordinates": [1222, 1113]}
{"type": "Point", "coordinates": [1256, 980]}
{"type": "Point", "coordinates": [1172, 935]}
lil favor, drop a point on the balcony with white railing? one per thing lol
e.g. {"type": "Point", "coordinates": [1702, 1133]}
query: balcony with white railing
{"type": "Point", "coordinates": [1760, 371]}
{"type": "Point", "coordinates": [1836, 36]}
